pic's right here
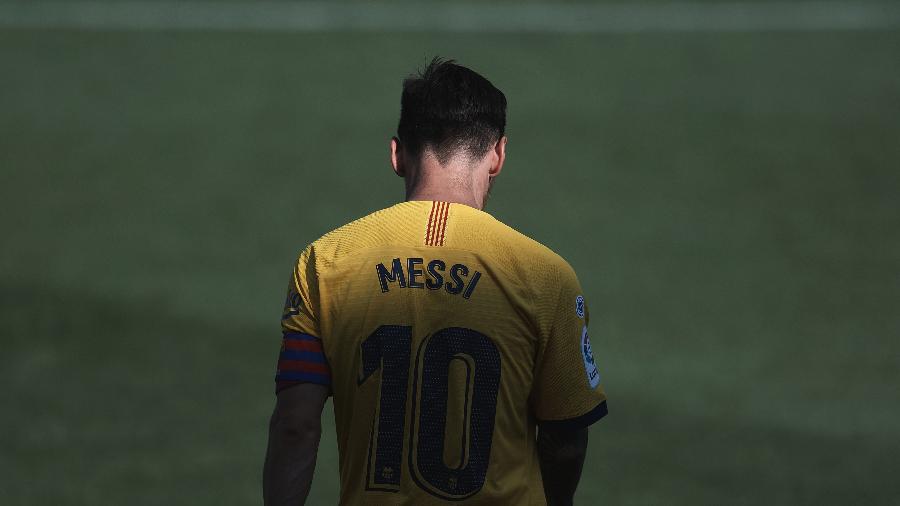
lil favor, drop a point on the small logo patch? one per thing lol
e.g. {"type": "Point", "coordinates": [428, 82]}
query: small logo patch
{"type": "Point", "coordinates": [292, 304]}
{"type": "Point", "coordinates": [579, 306]}
{"type": "Point", "coordinates": [588, 355]}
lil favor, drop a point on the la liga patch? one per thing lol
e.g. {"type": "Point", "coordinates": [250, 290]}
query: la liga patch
{"type": "Point", "coordinates": [587, 354]}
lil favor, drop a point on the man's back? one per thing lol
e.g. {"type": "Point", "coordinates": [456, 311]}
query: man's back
{"type": "Point", "coordinates": [448, 336]}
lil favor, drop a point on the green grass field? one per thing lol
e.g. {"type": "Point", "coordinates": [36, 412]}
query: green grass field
{"type": "Point", "coordinates": [730, 201]}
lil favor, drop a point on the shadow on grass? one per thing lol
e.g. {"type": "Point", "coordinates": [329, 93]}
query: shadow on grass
{"type": "Point", "coordinates": [116, 401]}
{"type": "Point", "coordinates": [640, 455]}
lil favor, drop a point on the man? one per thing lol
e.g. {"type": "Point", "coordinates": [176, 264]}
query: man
{"type": "Point", "coordinates": [456, 348]}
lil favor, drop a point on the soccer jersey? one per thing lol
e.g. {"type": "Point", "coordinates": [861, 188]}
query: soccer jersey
{"type": "Point", "coordinates": [446, 337]}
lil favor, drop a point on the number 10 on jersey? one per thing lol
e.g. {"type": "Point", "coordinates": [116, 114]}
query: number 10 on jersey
{"type": "Point", "coordinates": [389, 349]}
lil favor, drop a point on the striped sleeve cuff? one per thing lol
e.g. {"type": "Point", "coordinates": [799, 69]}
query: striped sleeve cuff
{"type": "Point", "coordinates": [302, 360]}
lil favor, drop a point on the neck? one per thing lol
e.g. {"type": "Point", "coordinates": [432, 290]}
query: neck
{"type": "Point", "coordinates": [443, 196]}
{"type": "Point", "coordinates": [448, 183]}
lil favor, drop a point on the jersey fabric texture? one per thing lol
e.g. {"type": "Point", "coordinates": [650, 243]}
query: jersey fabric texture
{"type": "Point", "coordinates": [446, 338]}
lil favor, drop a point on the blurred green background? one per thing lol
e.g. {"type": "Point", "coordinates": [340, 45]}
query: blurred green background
{"type": "Point", "coordinates": [730, 201]}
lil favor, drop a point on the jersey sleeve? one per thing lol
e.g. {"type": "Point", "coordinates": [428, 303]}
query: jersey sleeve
{"type": "Point", "coordinates": [567, 390]}
{"type": "Point", "coordinates": [302, 358]}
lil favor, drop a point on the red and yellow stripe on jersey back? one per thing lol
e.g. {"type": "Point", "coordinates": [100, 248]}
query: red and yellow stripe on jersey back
{"type": "Point", "coordinates": [437, 224]}
{"type": "Point", "coordinates": [446, 337]}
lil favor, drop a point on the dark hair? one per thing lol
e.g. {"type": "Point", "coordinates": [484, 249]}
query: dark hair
{"type": "Point", "coordinates": [448, 108]}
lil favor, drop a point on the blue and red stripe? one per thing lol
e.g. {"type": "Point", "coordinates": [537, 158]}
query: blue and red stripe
{"type": "Point", "coordinates": [302, 360]}
{"type": "Point", "coordinates": [302, 356]}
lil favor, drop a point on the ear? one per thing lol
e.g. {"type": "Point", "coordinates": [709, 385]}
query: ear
{"type": "Point", "coordinates": [397, 161]}
{"type": "Point", "coordinates": [499, 157]}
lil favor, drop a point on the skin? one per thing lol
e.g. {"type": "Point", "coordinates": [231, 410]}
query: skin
{"type": "Point", "coordinates": [561, 453]}
{"type": "Point", "coordinates": [294, 432]}
{"type": "Point", "coordinates": [461, 180]}
{"type": "Point", "coordinates": [295, 427]}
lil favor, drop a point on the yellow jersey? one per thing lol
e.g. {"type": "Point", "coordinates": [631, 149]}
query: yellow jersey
{"type": "Point", "coordinates": [446, 337]}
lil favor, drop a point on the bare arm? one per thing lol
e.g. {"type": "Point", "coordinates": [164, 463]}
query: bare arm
{"type": "Point", "coordinates": [294, 432]}
{"type": "Point", "coordinates": [561, 453]}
